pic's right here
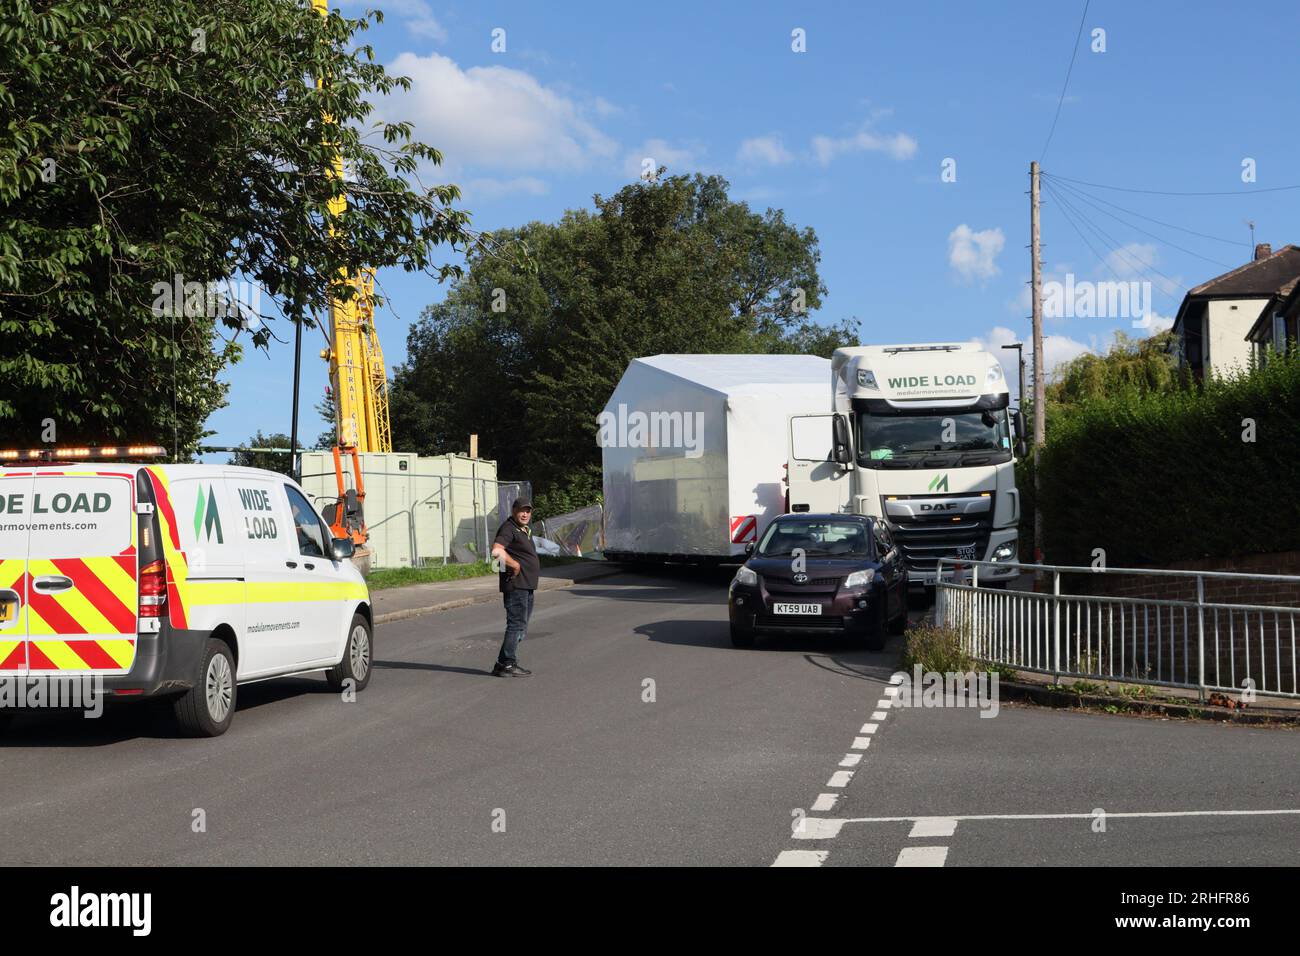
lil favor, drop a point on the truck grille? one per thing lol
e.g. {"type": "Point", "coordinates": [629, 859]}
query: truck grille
{"type": "Point", "coordinates": [923, 543]}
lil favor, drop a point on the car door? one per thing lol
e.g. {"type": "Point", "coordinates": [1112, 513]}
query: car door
{"type": "Point", "coordinates": [320, 595]}
{"type": "Point", "coordinates": [272, 608]}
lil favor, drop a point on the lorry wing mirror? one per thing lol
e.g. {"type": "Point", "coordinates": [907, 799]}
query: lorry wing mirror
{"type": "Point", "coordinates": [1018, 419]}
{"type": "Point", "coordinates": [840, 431]}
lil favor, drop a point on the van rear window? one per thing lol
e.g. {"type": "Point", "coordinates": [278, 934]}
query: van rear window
{"type": "Point", "coordinates": [77, 516]}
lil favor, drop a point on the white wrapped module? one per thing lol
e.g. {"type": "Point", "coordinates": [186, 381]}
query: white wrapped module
{"type": "Point", "coordinates": [694, 450]}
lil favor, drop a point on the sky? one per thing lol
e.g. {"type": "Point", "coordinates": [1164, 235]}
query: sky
{"type": "Point", "coordinates": [901, 133]}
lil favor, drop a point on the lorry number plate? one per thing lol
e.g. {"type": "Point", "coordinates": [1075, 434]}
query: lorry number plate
{"type": "Point", "coordinates": [967, 552]}
{"type": "Point", "coordinates": [798, 608]}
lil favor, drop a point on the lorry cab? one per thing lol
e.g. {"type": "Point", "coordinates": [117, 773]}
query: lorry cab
{"type": "Point", "coordinates": [922, 437]}
{"type": "Point", "coordinates": [180, 581]}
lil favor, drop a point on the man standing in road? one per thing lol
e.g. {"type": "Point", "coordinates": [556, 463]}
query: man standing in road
{"type": "Point", "coordinates": [516, 558]}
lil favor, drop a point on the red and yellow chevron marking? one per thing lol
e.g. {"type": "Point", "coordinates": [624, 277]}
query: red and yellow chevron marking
{"type": "Point", "coordinates": [177, 565]}
{"type": "Point", "coordinates": [13, 649]}
{"type": "Point", "coordinates": [91, 625]}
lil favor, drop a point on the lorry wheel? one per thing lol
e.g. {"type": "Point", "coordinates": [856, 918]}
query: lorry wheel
{"type": "Point", "coordinates": [356, 663]}
{"type": "Point", "coordinates": [741, 637]}
{"type": "Point", "coordinates": [207, 708]}
{"type": "Point", "coordinates": [879, 632]}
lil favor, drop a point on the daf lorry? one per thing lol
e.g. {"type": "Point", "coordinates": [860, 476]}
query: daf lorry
{"type": "Point", "coordinates": [923, 437]}
{"type": "Point", "coordinates": [694, 452]}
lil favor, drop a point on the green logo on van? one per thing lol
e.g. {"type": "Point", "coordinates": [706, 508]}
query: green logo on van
{"type": "Point", "coordinates": [939, 483]}
{"type": "Point", "coordinates": [206, 519]}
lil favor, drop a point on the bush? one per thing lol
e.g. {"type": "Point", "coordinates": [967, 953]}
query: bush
{"type": "Point", "coordinates": [1159, 476]}
{"type": "Point", "coordinates": [935, 649]}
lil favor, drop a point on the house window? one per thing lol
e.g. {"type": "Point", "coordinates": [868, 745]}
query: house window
{"type": "Point", "coordinates": [1279, 333]}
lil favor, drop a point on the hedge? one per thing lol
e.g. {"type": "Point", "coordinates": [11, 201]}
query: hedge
{"type": "Point", "coordinates": [1165, 476]}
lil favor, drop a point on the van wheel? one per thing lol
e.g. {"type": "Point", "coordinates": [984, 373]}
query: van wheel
{"type": "Point", "coordinates": [356, 663]}
{"type": "Point", "coordinates": [207, 708]}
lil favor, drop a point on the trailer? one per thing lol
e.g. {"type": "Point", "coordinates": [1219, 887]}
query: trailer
{"type": "Point", "coordinates": [694, 452]}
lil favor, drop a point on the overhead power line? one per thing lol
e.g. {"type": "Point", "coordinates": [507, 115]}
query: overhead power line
{"type": "Point", "coordinates": [1083, 197]}
{"type": "Point", "coordinates": [1159, 222]}
{"type": "Point", "coordinates": [1074, 53]}
{"type": "Point", "coordinates": [1162, 192]}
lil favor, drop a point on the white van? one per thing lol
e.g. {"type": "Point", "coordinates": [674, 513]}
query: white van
{"type": "Point", "coordinates": [175, 580]}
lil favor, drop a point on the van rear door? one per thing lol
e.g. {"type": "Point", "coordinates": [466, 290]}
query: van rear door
{"type": "Point", "coordinates": [81, 575]}
{"type": "Point", "coordinates": [15, 532]}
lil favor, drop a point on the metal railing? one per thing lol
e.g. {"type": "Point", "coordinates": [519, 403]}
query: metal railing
{"type": "Point", "coordinates": [1177, 642]}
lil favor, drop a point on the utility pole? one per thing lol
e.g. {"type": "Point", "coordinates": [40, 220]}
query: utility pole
{"type": "Point", "coordinates": [1040, 390]}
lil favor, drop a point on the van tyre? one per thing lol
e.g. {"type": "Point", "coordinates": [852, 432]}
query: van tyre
{"type": "Point", "coordinates": [358, 657]}
{"type": "Point", "coordinates": [207, 708]}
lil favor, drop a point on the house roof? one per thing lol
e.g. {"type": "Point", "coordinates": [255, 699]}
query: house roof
{"type": "Point", "coordinates": [1274, 275]}
{"type": "Point", "coordinates": [1289, 305]}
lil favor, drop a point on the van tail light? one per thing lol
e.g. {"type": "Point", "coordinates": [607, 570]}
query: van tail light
{"type": "Point", "coordinates": [153, 589]}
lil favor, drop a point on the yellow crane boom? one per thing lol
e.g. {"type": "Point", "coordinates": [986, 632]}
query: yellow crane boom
{"type": "Point", "coordinates": [357, 374]}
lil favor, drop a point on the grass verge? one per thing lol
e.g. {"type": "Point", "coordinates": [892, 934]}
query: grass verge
{"type": "Point", "coordinates": [383, 578]}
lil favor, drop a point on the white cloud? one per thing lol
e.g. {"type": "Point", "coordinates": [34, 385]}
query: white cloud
{"type": "Point", "coordinates": [416, 16]}
{"type": "Point", "coordinates": [659, 153]}
{"type": "Point", "coordinates": [1057, 350]}
{"type": "Point", "coordinates": [764, 150]}
{"type": "Point", "coordinates": [492, 117]}
{"type": "Point", "coordinates": [866, 140]}
{"type": "Point", "coordinates": [486, 188]}
{"type": "Point", "coordinates": [972, 254]}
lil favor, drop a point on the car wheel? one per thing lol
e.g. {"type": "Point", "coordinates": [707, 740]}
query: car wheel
{"type": "Point", "coordinates": [740, 637]}
{"type": "Point", "coordinates": [358, 657]}
{"type": "Point", "coordinates": [207, 708]}
{"type": "Point", "coordinates": [879, 631]}
{"type": "Point", "coordinates": [899, 624]}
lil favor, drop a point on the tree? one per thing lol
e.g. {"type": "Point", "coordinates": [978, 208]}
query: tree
{"type": "Point", "coordinates": [527, 357]}
{"type": "Point", "coordinates": [154, 148]}
{"type": "Point", "coordinates": [1138, 364]}
{"type": "Point", "coordinates": [271, 461]}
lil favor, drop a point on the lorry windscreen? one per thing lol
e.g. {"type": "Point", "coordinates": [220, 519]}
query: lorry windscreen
{"type": "Point", "coordinates": [906, 438]}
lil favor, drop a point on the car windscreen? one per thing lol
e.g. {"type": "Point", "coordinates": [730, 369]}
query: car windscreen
{"type": "Point", "coordinates": [816, 538]}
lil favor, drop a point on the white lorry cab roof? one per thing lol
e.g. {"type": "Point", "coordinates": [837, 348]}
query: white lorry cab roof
{"type": "Point", "coordinates": [174, 580]}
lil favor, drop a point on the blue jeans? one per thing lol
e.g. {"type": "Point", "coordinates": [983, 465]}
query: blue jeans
{"type": "Point", "coordinates": [519, 608]}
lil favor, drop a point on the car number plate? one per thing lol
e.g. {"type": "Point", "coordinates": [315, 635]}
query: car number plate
{"type": "Point", "coordinates": [797, 608]}
{"type": "Point", "coordinates": [967, 552]}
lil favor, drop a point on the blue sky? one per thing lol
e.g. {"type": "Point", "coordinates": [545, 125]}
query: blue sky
{"type": "Point", "coordinates": [850, 137]}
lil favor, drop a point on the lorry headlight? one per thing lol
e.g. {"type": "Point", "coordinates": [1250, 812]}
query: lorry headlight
{"type": "Point", "coordinates": [744, 576]}
{"type": "Point", "coordinates": [860, 579]}
{"type": "Point", "coordinates": [1005, 551]}
{"type": "Point", "coordinates": [994, 375]}
{"type": "Point", "coordinates": [867, 379]}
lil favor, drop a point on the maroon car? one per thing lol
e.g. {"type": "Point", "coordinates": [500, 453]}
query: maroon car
{"type": "Point", "coordinates": [820, 573]}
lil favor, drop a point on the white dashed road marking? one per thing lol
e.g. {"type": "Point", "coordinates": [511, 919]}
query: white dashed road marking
{"type": "Point", "coordinates": [825, 802]}
{"type": "Point", "coordinates": [861, 743]}
{"type": "Point", "coordinates": [933, 827]}
{"type": "Point", "coordinates": [922, 856]}
{"type": "Point", "coordinates": [801, 858]}
{"type": "Point", "coordinates": [851, 760]}
{"type": "Point", "coordinates": [840, 778]}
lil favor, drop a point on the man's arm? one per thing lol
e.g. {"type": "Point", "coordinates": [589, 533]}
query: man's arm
{"type": "Point", "coordinates": [499, 552]}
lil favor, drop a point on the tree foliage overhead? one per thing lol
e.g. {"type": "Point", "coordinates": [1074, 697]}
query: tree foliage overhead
{"type": "Point", "coordinates": [527, 358]}
{"type": "Point", "coordinates": [145, 141]}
